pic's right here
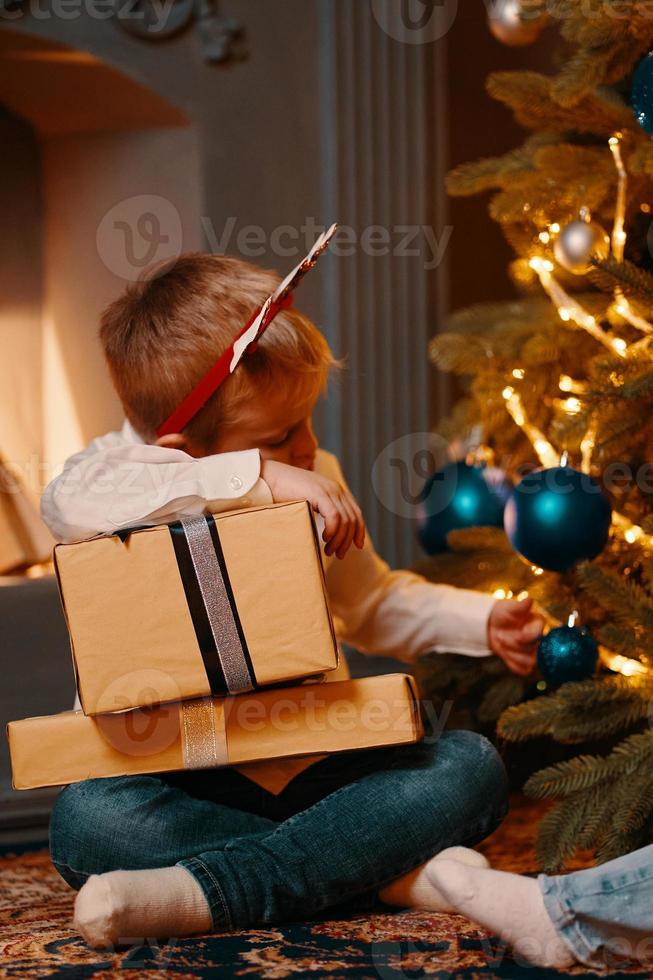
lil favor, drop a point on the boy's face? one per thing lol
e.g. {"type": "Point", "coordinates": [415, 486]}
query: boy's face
{"type": "Point", "coordinates": [281, 428]}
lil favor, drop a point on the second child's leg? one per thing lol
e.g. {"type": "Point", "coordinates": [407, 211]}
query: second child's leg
{"type": "Point", "coordinates": [587, 916]}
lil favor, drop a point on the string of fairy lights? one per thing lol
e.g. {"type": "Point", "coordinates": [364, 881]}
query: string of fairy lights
{"type": "Point", "coordinates": [571, 311]}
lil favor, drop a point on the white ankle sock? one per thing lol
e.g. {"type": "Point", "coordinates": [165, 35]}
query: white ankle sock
{"type": "Point", "coordinates": [125, 907]}
{"type": "Point", "coordinates": [415, 889]}
{"type": "Point", "coordinates": [507, 905]}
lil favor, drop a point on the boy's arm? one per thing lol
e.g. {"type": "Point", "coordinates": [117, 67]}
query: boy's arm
{"type": "Point", "coordinates": [398, 613]}
{"type": "Point", "coordinates": [116, 482]}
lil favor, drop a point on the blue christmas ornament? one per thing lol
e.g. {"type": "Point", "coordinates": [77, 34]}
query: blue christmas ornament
{"type": "Point", "coordinates": [641, 93]}
{"type": "Point", "coordinates": [460, 496]}
{"type": "Point", "coordinates": [567, 653]}
{"type": "Point", "coordinates": [556, 517]}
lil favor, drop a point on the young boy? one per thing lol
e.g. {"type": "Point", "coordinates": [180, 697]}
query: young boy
{"type": "Point", "coordinates": [187, 852]}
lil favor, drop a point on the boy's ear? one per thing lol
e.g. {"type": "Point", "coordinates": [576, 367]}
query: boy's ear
{"type": "Point", "coordinates": [174, 440]}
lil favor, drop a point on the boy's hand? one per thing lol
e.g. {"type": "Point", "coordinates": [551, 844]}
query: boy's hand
{"type": "Point", "coordinates": [513, 630]}
{"type": "Point", "coordinates": [343, 519]}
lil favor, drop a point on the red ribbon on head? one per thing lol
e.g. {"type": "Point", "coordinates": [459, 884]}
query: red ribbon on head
{"type": "Point", "coordinates": [196, 399]}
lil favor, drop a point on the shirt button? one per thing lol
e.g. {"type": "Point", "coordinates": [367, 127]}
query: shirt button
{"type": "Point", "coordinates": [236, 483]}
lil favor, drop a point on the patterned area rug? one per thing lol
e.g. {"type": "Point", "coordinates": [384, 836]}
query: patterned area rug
{"type": "Point", "coordinates": [37, 940]}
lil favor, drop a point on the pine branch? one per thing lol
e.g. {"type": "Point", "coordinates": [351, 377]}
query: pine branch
{"type": "Point", "coordinates": [599, 23]}
{"type": "Point", "coordinates": [594, 694]}
{"type": "Point", "coordinates": [635, 802]}
{"type": "Point", "coordinates": [579, 711]}
{"type": "Point", "coordinates": [528, 720]}
{"type": "Point", "coordinates": [529, 95]}
{"type": "Point", "coordinates": [614, 719]}
{"type": "Point", "coordinates": [507, 691]}
{"type": "Point", "coordinates": [614, 846]}
{"type": "Point", "coordinates": [460, 355]}
{"type": "Point", "coordinates": [525, 315]}
{"type": "Point", "coordinates": [598, 812]}
{"type": "Point", "coordinates": [634, 282]}
{"type": "Point", "coordinates": [584, 771]}
{"type": "Point", "coordinates": [618, 639]}
{"type": "Point", "coordinates": [640, 387]}
{"type": "Point", "coordinates": [627, 601]}
{"type": "Point", "coordinates": [600, 64]}
{"type": "Point", "coordinates": [490, 173]}
{"type": "Point", "coordinates": [559, 832]}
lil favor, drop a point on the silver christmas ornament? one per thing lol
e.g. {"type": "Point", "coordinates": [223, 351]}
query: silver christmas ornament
{"type": "Point", "coordinates": [516, 23]}
{"type": "Point", "coordinates": [578, 243]}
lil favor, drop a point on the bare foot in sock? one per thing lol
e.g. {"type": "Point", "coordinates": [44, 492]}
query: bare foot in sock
{"type": "Point", "coordinates": [125, 907]}
{"type": "Point", "coordinates": [507, 905]}
{"type": "Point", "coordinates": [415, 889]}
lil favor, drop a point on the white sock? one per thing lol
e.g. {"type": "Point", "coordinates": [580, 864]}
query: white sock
{"type": "Point", "coordinates": [416, 890]}
{"type": "Point", "coordinates": [125, 907]}
{"type": "Point", "coordinates": [507, 905]}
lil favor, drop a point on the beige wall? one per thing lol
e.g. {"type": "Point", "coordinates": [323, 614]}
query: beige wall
{"type": "Point", "coordinates": [85, 178]}
{"type": "Point", "coordinates": [20, 292]}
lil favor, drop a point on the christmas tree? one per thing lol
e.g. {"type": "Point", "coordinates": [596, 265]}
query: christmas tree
{"type": "Point", "coordinates": [563, 376]}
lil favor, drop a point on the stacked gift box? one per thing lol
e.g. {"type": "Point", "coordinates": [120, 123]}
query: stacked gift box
{"type": "Point", "coordinates": [200, 644]}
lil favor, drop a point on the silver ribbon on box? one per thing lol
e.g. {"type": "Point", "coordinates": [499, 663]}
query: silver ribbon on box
{"type": "Point", "coordinates": [203, 742]}
{"type": "Point", "coordinates": [219, 607]}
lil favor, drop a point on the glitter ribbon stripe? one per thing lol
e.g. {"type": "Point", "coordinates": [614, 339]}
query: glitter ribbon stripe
{"type": "Point", "coordinates": [203, 742]}
{"type": "Point", "coordinates": [219, 611]}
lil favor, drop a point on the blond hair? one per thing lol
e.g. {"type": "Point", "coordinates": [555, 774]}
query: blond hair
{"type": "Point", "coordinates": [163, 334]}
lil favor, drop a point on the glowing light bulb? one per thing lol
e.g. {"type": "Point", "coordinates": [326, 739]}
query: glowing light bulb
{"type": "Point", "coordinates": [564, 313]}
{"type": "Point", "coordinates": [499, 594]}
{"type": "Point", "coordinates": [544, 237]}
{"type": "Point", "coordinates": [540, 264]}
{"type": "Point", "coordinates": [555, 227]}
{"type": "Point", "coordinates": [572, 406]}
{"type": "Point", "coordinates": [566, 383]}
{"type": "Point", "coordinates": [508, 392]}
{"type": "Point", "coordinates": [541, 446]}
{"type": "Point", "coordinates": [518, 373]}
{"type": "Point", "coordinates": [619, 344]}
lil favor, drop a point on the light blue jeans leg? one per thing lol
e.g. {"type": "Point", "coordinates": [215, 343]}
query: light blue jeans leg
{"type": "Point", "coordinates": [607, 911]}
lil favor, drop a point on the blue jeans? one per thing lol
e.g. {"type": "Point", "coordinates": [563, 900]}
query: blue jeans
{"type": "Point", "coordinates": [605, 912]}
{"type": "Point", "coordinates": [340, 830]}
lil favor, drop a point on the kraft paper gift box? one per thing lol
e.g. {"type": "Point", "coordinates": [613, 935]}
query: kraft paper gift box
{"type": "Point", "coordinates": [24, 538]}
{"type": "Point", "coordinates": [204, 606]}
{"type": "Point", "coordinates": [211, 732]}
